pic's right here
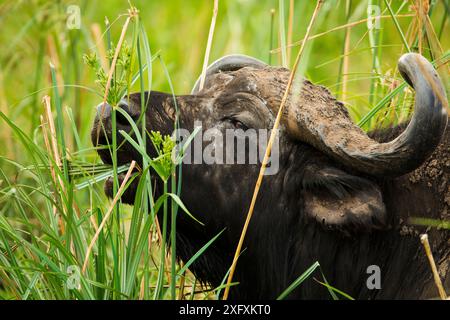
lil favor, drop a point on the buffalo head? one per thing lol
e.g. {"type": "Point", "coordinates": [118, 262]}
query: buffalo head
{"type": "Point", "coordinates": [327, 166]}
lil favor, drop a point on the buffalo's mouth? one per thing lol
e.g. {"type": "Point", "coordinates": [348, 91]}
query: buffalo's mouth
{"type": "Point", "coordinates": [125, 155]}
{"type": "Point", "coordinates": [129, 193]}
{"type": "Point", "coordinates": [129, 110]}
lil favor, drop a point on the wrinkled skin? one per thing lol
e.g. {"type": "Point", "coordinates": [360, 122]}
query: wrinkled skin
{"type": "Point", "coordinates": [313, 209]}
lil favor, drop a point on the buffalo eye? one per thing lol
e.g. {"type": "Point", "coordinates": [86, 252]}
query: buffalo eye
{"type": "Point", "coordinates": [237, 124]}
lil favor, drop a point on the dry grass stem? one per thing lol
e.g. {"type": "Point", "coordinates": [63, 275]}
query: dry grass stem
{"type": "Point", "coordinates": [208, 45]}
{"type": "Point", "coordinates": [437, 279]}
{"type": "Point", "coordinates": [352, 24]}
{"type": "Point", "coordinates": [108, 213]}
{"type": "Point", "coordinates": [268, 150]}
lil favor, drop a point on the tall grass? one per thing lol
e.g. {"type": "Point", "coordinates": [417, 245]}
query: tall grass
{"type": "Point", "coordinates": [52, 206]}
{"type": "Point", "coordinates": [98, 253]}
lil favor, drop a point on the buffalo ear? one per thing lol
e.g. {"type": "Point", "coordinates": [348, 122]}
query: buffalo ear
{"type": "Point", "coordinates": [338, 200]}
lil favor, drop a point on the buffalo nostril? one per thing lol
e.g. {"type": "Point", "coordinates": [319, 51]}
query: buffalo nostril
{"type": "Point", "coordinates": [123, 104]}
{"type": "Point", "coordinates": [104, 111]}
{"type": "Point", "coordinates": [119, 115]}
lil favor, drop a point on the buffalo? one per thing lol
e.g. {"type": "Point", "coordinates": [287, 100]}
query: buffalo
{"type": "Point", "coordinates": [340, 196]}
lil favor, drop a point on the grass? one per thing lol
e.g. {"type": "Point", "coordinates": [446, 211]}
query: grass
{"type": "Point", "coordinates": [52, 206]}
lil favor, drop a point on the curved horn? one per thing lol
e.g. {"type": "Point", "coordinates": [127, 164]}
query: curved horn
{"type": "Point", "coordinates": [230, 62]}
{"type": "Point", "coordinates": [332, 132]}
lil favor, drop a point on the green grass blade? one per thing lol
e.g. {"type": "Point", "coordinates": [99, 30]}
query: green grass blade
{"type": "Point", "coordinates": [299, 281]}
